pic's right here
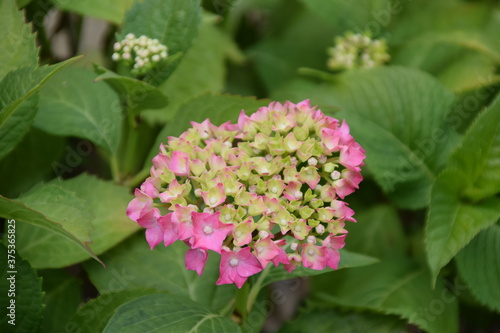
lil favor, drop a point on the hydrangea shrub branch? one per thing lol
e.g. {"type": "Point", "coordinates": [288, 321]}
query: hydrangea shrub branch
{"type": "Point", "coordinates": [239, 189]}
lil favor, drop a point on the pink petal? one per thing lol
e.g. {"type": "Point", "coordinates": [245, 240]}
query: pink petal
{"type": "Point", "coordinates": [149, 218]}
{"type": "Point", "coordinates": [154, 236]}
{"type": "Point", "coordinates": [170, 229]}
{"type": "Point", "coordinates": [332, 258]}
{"type": "Point", "coordinates": [195, 260]}
{"type": "Point", "coordinates": [313, 257]}
{"type": "Point", "coordinates": [208, 232]}
{"type": "Point", "coordinates": [248, 264]}
{"type": "Point", "coordinates": [352, 157]}
{"type": "Point", "coordinates": [179, 163]}
{"type": "Point", "coordinates": [139, 205]}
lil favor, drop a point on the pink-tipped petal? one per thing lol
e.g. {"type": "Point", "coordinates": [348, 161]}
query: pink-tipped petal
{"type": "Point", "coordinates": [195, 260]}
{"type": "Point", "coordinates": [179, 163]}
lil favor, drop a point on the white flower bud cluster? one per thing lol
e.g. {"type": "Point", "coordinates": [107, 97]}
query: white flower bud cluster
{"type": "Point", "coordinates": [141, 53]}
{"type": "Point", "coordinates": [357, 51]}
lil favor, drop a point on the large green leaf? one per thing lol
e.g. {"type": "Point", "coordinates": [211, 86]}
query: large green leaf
{"type": "Point", "coordinates": [110, 10]}
{"type": "Point", "coordinates": [63, 294]}
{"type": "Point", "coordinates": [452, 221]}
{"type": "Point", "coordinates": [439, 17]}
{"type": "Point", "coordinates": [60, 204]}
{"type": "Point", "coordinates": [71, 104]}
{"type": "Point", "coordinates": [217, 108]}
{"type": "Point", "coordinates": [397, 115]}
{"type": "Point", "coordinates": [52, 208]}
{"type": "Point", "coordinates": [471, 72]}
{"type": "Point", "coordinates": [105, 201]}
{"type": "Point", "coordinates": [138, 94]}
{"type": "Point", "coordinates": [163, 269]}
{"type": "Point", "coordinates": [17, 176]}
{"type": "Point", "coordinates": [361, 15]}
{"type": "Point", "coordinates": [18, 102]}
{"type": "Point", "coordinates": [95, 314]}
{"type": "Point", "coordinates": [377, 233]}
{"type": "Point", "coordinates": [327, 321]}
{"type": "Point", "coordinates": [19, 283]}
{"type": "Point", "coordinates": [17, 43]}
{"type": "Point", "coordinates": [347, 260]}
{"type": "Point", "coordinates": [173, 22]}
{"type": "Point", "coordinates": [436, 53]}
{"type": "Point", "coordinates": [394, 286]}
{"type": "Point", "coordinates": [419, 51]}
{"type": "Point", "coordinates": [479, 265]}
{"type": "Point", "coordinates": [273, 60]}
{"type": "Point", "coordinates": [168, 313]}
{"type": "Point", "coordinates": [479, 155]}
{"type": "Point", "coordinates": [204, 65]}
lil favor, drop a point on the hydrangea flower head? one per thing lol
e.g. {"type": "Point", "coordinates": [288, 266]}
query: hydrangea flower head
{"type": "Point", "coordinates": [266, 190]}
{"type": "Point", "coordinates": [142, 53]}
{"type": "Point", "coordinates": [357, 51]}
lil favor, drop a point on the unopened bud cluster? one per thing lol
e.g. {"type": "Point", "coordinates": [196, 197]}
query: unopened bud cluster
{"type": "Point", "coordinates": [357, 51]}
{"type": "Point", "coordinates": [142, 53]}
{"type": "Point", "coordinates": [267, 189]}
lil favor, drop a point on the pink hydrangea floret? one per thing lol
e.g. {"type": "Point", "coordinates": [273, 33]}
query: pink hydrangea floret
{"type": "Point", "coordinates": [268, 189]}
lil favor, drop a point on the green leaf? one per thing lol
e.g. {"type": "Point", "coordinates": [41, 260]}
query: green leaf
{"type": "Point", "coordinates": [168, 313]}
{"type": "Point", "coordinates": [163, 269]}
{"type": "Point", "coordinates": [52, 208]}
{"type": "Point", "coordinates": [347, 260]}
{"type": "Point", "coordinates": [479, 265]}
{"type": "Point", "coordinates": [327, 321]}
{"type": "Point", "coordinates": [173, 22]}
{"type": "Point", "coordinates": [17, 176]}
{"type": "Point", "coordinates": [26, 286]}
{"type": "Point", "coordinates": [452, 221]}
{"type": "Point", "coordinates": [397, 115]}
{"type": "Point", "coordinates": [471, 72]}
{"type": "Point", "coordinates": [18, 104]}
{"type": "Point", "coordinates": [17, 43]}
{"type": "Point", "coordinates": [395, 286]}
{"type": "Point", "coordinates": [138, 94]}
{"type": "Point", "coordinates": [420, 50]}
{"type": "Point", "coordinates": [436, 53]}
{"type": "Point", "coordinates": [105, 201]}
{"type": "Point", "coordinates": [479, 155]}
{"type": "Point", "coordinates": [71, 104]}
{"type": "Point", "coordinates": [377, 233]}
{"type": "Point", "coordinates": [60, 204]}
{"type": "Point", "coordinates": [63, 294]}
{"type": "Point", "coordinates": [23, 3]}
{"type": "Point", "coordinates": [204, 65]}
{"type": "Point", "coordinates": [218, 108]}
{"type": "Point", "coordinates": [439, 17]}
{"type": "Point", "coordinates": [357, 16]}
{"type": "Point", "coordinates": [95, 314]}
{"type": "Point", "coordinates": [110, 10]}
{"type": "Point", "coordinates": [273, 60]}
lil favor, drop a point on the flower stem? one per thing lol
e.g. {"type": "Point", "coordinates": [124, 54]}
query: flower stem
{"type": "Point", "coordinates": [115, 170]}
{"type": "Point", "coordinates": [137, 179]}
{"type": "Point", "coordinates": [254, 292]}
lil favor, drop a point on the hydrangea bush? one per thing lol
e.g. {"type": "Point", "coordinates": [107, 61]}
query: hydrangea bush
{"type": "Point", "coordinates": [237, 189]}
{"type": "Point", "coordinates": [148, 183]}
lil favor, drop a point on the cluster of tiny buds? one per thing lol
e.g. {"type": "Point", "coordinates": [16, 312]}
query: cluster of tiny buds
{"type": "Point", "coordinates": [141, 53]}
{"type": "Point", "coordinates": [357, 51]}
